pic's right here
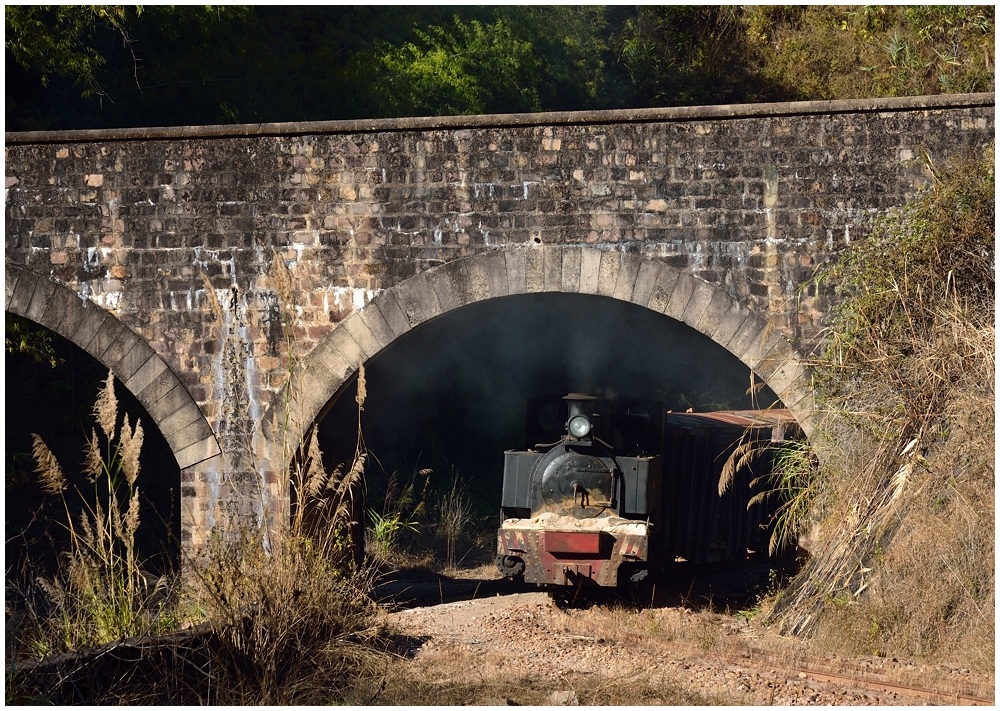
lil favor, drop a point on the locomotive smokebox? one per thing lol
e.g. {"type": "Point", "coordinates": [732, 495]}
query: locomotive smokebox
{"type": "Point", "coordinates": [580, 420]}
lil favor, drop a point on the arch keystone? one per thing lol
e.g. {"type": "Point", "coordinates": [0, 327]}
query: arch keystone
{"type": "Point", "coordinates": [607, 275]}
{"type": "Point", "coordinates": [590, 271]}
{"type": "Point", "coordinates": [572, 266]}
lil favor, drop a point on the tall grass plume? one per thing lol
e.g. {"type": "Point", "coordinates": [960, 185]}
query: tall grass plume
{"type": "Point", "coordinates": [100, 592]}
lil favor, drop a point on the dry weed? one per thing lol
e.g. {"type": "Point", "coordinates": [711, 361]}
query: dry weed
{"type": "Point", "coordinates": [450, 680]}
{"type": "Point", "coordinates": [291, 614]}
{"type": "Point", "coordinates": [291, 624]}
{"type": "Point", "coordinates": [100, 592]}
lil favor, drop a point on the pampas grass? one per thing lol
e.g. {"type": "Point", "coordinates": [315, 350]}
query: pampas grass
{"type": "Point", "coordinates": [100, 592]}
{"type": "Point", "coordinates": [50, 474]}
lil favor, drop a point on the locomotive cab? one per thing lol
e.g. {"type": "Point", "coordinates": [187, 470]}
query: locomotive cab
{"type": "Point", "coordinates": [575, 512]}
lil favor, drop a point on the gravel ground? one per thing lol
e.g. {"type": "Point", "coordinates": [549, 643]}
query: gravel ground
{"type": "Point", "coordinates": [707, 657]}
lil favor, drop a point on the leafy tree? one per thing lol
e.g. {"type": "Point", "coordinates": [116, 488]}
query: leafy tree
{"type": "Point", "coordinates": [572, 49]}
{"type": "Point", "coordinates": [467, 68]}
{"type": "Point", "coordinates": [680, 55]}
{"type": "Point", "coordinates": [521, 60]}
{"type": "Point", "coordinates": [68, 41]}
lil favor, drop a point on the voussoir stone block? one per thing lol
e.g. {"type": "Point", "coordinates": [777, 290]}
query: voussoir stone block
{"type": "Point", "coordinates": [391, 312]}
{"type": "Point", "coordinates": [628, 272]}
{"type": "Point", "coordinates": [534, 269]}
{"type": "Point", "coordinates": [572, 260]}
{"type": "Point", "coordinates": [358, 329]}
{"type": "Point", "coordinates": [607, 274]}
{"type": "Point", "coordinates": [517, 281]}
{"type": "Point", "coordinates": [590, 271]}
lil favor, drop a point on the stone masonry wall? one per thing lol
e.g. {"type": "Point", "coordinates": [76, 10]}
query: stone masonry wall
{"type": "Point", "coordinates": [234, 250]}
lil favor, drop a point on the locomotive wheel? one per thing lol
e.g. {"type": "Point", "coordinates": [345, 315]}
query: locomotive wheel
{"type": "Point", "coordinates": [563, 598]}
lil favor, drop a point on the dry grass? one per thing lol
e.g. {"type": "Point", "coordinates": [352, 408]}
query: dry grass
{"type": "Point", "coordinates": [291, 625]}
{"type": "Point", "coordinates": [282, 618]}
{"type": "Point", "coordinates": [903, 563]}
{"type": "Point", "coordinates": [100, 592]}
{"type": "Point", "coordinates": [291, 613]}
{"type": "Point", "coordinates": [449, 679]}
{"type": "Point", "coordinates": [930, 588]}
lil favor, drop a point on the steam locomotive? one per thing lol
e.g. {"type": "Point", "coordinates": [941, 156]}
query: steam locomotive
{"type": "Point", "coordinates": [628, 488]}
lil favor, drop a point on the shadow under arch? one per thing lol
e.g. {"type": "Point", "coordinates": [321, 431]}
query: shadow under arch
{"type": "Point", "coordinates": [117, 347]}
{"type": "Point", "coordinates": [631, 278]}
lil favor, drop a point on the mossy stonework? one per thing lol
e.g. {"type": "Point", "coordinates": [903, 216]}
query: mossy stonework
{"type": "Point", "coordinates": [235, 277]}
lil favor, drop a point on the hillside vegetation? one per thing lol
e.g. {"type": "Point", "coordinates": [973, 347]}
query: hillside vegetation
{"type": "Point", "coordinates": [903, 508]}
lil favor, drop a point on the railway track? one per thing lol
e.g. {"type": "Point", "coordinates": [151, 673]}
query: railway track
{"type": "Point", "coordinates": [950, 697]}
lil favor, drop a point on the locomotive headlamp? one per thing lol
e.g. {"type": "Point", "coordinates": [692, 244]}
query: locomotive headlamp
{"type": "Point", "coordinates": [581, 412]}
{"type": "Point", "coordinates": [579, 426]}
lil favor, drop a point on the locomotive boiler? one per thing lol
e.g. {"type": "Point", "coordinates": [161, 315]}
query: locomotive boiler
{"type": "Point", "coordinates": [626, 491]}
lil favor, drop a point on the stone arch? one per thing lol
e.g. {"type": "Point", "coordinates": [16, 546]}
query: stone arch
{"type": "Point", "coordinates": [632, 278]}
{"type": "Point", "coordinates": [116, 346]}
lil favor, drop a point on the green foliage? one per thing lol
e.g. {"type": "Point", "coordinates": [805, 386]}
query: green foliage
{"type": "Point", "coordinates": [683, 55]}
{"type": "Point", "coordinates": [792, 481]}
{"type": "Point", "coordinates": [457, 70]}
{"type": "Point", "coordinates": [385, 531]}
{"type": "Point", "coordinates": [63, 40]}
{"type": "Point", "coordinates": [423, 522]}
{"type": "Point", "coordinates": [789, 475]}
{"type": "Point", "coordinates": [21, 337]}
{"type": "Point", "coordinates": [525, 59]}
{"type": "Point", "coordinates": [403, 509]}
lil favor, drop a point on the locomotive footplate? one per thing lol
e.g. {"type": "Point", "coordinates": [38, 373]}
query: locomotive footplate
{"type": "Point", "coordinates": [562, 550]}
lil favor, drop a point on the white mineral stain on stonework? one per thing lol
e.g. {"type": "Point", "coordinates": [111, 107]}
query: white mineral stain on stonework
{"type": "Point", "coordinates": [342, 296]}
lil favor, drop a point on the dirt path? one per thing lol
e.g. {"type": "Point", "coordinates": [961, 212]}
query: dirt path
{"type": "Point", "coordinates": [522, 649]}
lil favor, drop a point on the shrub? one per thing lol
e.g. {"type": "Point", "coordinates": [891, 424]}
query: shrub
{"type": "Point", "coordinates": [290, 611]}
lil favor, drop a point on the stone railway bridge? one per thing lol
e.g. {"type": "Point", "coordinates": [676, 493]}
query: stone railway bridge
{"type": "Point", "coordinates": [235, 278]}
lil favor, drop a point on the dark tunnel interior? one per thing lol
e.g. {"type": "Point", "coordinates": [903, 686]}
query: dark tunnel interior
{"type": "Point", "coordinates": [451, 394]}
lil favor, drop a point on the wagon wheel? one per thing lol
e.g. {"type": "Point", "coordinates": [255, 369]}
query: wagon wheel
{"type": "Point", "coordinates": [567, 597]}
